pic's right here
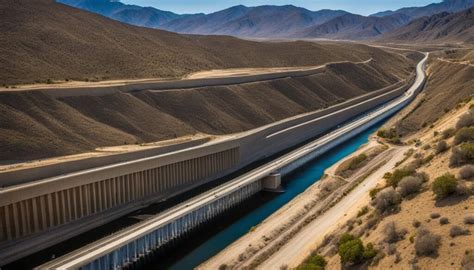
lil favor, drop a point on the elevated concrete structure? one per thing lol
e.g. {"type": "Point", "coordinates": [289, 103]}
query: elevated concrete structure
{"type": "Point", "coordinates": [41, 213]}
{"type": "Point", "coordinates": [136, 242]}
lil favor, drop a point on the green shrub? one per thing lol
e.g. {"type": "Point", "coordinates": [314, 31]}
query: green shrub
{"type": "Point", "coordinates": [309, 266]}
{"type": "Point", "coordinates": [465, 134]}
{"type": "Point", "coordinates": [444, 185]}
{"type": "Point", "coordinates": [352, 251]}
{"type": "Point", "coordinates": [345, 238]}
{"type": "Point", "coordinates": [398, 175]}
{"type": "Point", "coordinates": [373, 192]}
{"type": "Point", "coordinates": [318, 260]}
{"type": "Point", "coordinates": [369, 252]}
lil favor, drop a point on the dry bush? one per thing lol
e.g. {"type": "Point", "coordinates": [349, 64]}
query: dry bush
{"type": "Point", "coordinates": [409, 185]}
{"type": "Point", "coordinates": [416, 223]}
{"type": "Point", "coordinates": [466, 120]}
{"type": "Point", "coordinates": [391, 234]}
{"type": "Point", "coordinates": [465, 134]}
{"type": "Point", "coordinates": [457, 231]}
{"type": "Point", "coordinates": [386, 199]}
{"type": "Point", "coordinates": [466, 172]}
{"type": "Point", "coordinates": [434, 215]}
{"type": "Point", "coordinates": [441, 147]}
{"type": "Point", "coordinates": [427, 243]}
{"type": "Point", "coordinates": [443, 221]}
{"type": "Point", "coordinates": [469, 220]}
{"type": "Point", "coordinates": [467, 262]}
{"type": "Point", "coordinates": [462, 154]}
{"type": "Point", "coordinates": [448, 133]}
{"type": "Point", "coordinates": [391, 249]}
{"type": "Point", "coordinates": [462, 189]}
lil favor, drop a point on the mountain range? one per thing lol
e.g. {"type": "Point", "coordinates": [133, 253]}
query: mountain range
{"type": "Point", "coordinates": [274, 21]}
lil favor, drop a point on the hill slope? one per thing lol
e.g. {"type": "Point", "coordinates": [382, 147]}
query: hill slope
{"type": "Point", "coordinates": [458, 27]}
{"type": "Point", "coordinates": [131, 14]}
{"type": "Point", "coordinates": [450, 6]}
{"type": "Point", "coordinates": [44, 40]}
{"type": "Point", "coordinates": [355, 27]}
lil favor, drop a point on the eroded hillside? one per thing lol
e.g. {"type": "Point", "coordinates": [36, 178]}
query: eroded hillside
{"type": "Point", "coordinates": [36, 125]}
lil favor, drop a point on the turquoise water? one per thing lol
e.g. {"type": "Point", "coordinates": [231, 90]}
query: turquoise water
{"type": "Point", "coordinates": [294, 184]}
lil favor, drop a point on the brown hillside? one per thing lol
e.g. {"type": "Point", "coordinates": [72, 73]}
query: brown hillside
{"type": "Point", "coordinates": [44, 40]}
{"type": "Point", "coordinates": [35, 125]}
{"type": "Point", "coordinates": [442, 27]}
{"type": "Point", "coordinates": [450, 81]}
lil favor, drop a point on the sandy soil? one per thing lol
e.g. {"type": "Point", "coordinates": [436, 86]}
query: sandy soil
{"type": "Point", "coordinates": [281, 225]}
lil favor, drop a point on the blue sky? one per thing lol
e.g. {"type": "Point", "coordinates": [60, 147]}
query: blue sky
{"type": "Point", "coordinates": [363, 7]}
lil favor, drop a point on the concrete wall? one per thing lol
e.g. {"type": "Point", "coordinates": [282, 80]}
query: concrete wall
{"type": "Point", "coordinates": [27, 175]}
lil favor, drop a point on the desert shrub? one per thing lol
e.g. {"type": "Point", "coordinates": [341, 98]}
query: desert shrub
{"type": "Point", "coordinates": [465, 134]}
{"type": "Point", "coordinates": [434, 215]}
{"type": "Point", "coordinates": [309, 266]}
{"type": "Point", "coordinates": [344, 238]}
{"type": "Point", "coordinates": [223, 267]}
{"type": "Point", "coordinates": [409, 185]}
{"type": "Point", "coordinates": [426, 146]}
{"type": "Point", "coordinates": [364, 210]}
{"type": "Point", "coordinates": [318, 260]}
{"type": "Point", "coordinates": [462, 189]}
{"type": "Point", "coordinates": [373, 192]}
{"type": "Point", "coordinates": [423, 176]}
{"type": "Point", "coordinates": [398, 175]}
{"type": "Point", "coordinates": [426, 243]}
{"type": "Point", "coordinates": [469, 220]}
{"type": "Point", "coordinates": [467, 262]}
{"type": "Point", "coordinates": [315, 262]}
{"type": "Point", "coordinates": [387, 199]}
{"type": "Point", "coordinates": [369, 251]}
{"type": "Point", "coordinates": [357, 161]}
{"type": "Point", "coordinates": [391, 249]}
{"type": "Point", "coordinates": [352, 251]}
{"type": "Point", "coordinates": [457, 231]}
{"type": "Point", "coordinates": [466, 120]}
{"type": "Point", "coordinates": [391, 234]}
{"type": "Point", "coordinates": [448, 133]}
{"type": "Point", "coordinates": [443, 221]}
{"type": "Point", "coordinates": [441, 147]}
{"type": "Point", "coordinates": [462, 154]}
{"type": "Point", "coordinates": [466, 172]}
{"type": "Point", "coordinates": [391, 135]}
{"type": "Point", "coordinates": [444, 185]}
{"type": "Point", "coordinates": [416, 223]}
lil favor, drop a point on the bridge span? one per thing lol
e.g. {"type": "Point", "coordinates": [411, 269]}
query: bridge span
{"type": "Point", "coordinates": [132, 244]}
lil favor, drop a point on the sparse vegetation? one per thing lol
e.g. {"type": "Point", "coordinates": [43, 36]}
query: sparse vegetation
{"type": "Point", "coordinates": [364, 210]}
{"type": "Point", "coordinates": [465, 134]}
{"type": "Point", "coordinates": [462, 154]}
{"type": "Point", "coordinates": [390, 135]}
{"type": "Point", "coordinates": [469, 220]}
{"type": "Point", "coordinates": [458, 231]}
{"type": "Point", "coordinates": [409, 185]}
{"type": "Point", "coordinates": [398, 175]}
{"type": "Point", "coordinates": [441, 147]}
{"type": "Point", "coordinates": [466, 120]}
{"type": "Point", "coordinates": [434, 215]}
{"type": "Point", "coordinates": [444, 186]}
{"type": "Point", "coordinates": [387, 200]}
{"type": "Point", "coordinates": [443, 221]}
{"type": "Point", "coordinates": [416, 223]}
{"type": "Point", "coordinates": [391, 234]}
{"type": "Point", "coordinates": [352, 250]}
{"type": "Point", "coordinates": [466, 172]}
{"type": "Point", "coordinates": [315, 262]}
{"type": "Point", "coordinates": [426, 243]}
{"type": "Point", "coordinates": [448, 133]}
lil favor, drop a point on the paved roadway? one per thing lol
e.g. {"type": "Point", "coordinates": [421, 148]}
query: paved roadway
{"type": "Point", "coordinates": [110, 243]}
